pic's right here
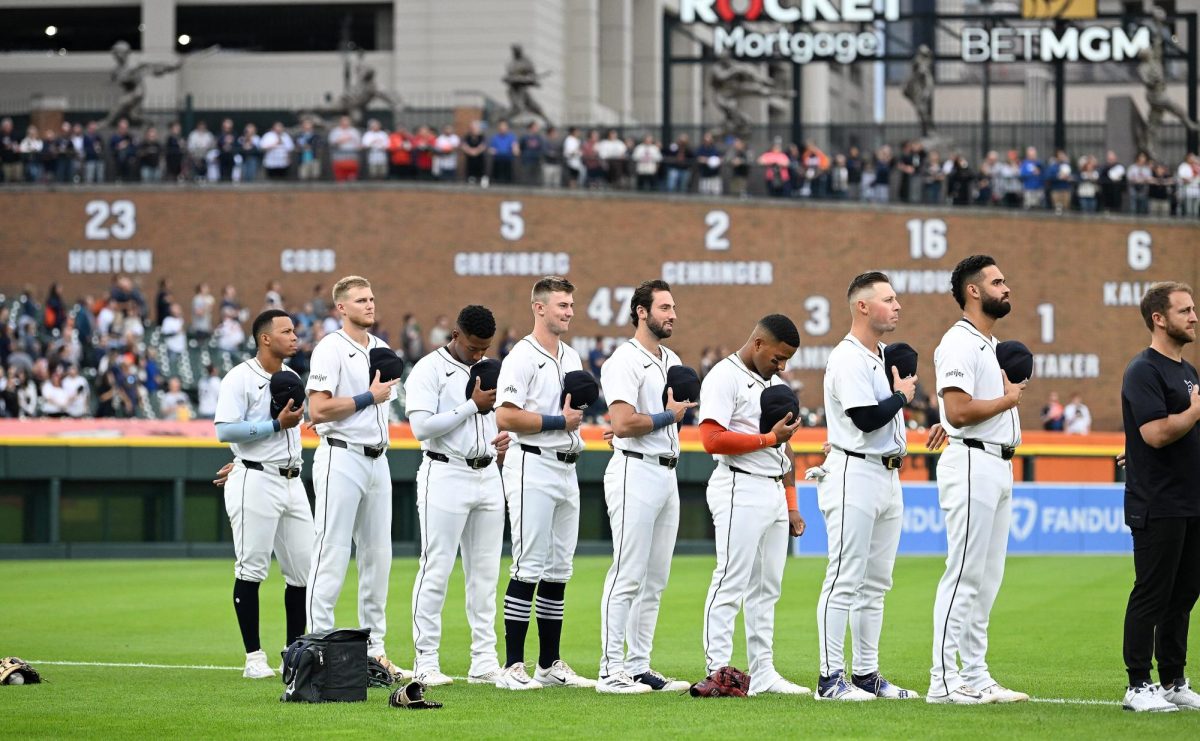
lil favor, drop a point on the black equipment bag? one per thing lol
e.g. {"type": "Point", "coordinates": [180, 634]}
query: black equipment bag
{"type": "Point", "coordinates": [327, 667]}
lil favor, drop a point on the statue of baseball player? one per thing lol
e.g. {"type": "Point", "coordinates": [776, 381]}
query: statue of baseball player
{"type": "Point", "coordinates": [641, 491]}
{"type": "Point", "coordinates": [534, 405]}
{"type": "Point", "coordinates": [460, 497]}
{"type": "Point", "coordinates": [752, 497]}
{"type": "Point", "coordinates": [858, 489]}
{"type": "Point", "coordinates": [264, 497]}
{"type": "Point", "coordinates": [351, 478]}
{"type": "Point", "coordinates": [974, 478]}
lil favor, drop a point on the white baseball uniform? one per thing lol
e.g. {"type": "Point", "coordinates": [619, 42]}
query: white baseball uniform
{"type": "Point", "coordinates": [861, 501]}
{"type": "Point", "coordinates": [975, 491]}
{"type": "Point", "coordinates": [460, 504]}
{"type": "Point", "coordinates": [749, 511]}
{"type": "Point", "coordinates": [642, 495]}
{"type": "Point", "coordinates": [264, 497]}
{"type": "Point", "coordinates": [353, 487]}
{"type": "Point", "coordinates": [539, 469]}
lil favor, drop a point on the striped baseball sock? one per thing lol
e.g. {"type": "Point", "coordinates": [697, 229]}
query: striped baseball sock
{"type": "Point", "coordinates": [518, 605]}
{"type": "Point", "coordinates": [550, 602]}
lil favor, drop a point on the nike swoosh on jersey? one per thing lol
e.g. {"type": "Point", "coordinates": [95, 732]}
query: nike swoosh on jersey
{"type": "Point", "coordinates": [647, 365]}
{"type": "Point", "coordinates": [750, 385]}
{"type": "Point", "coordinates": [260, 388]}
{"type": "Point", "coordinates": [449, 373]}
{"type": "Point", "coordinates": [982, 347]}
{"type": "Point", "coordinates": [543, 364]}
{"type": "Point", "coordinates": [353, 354]}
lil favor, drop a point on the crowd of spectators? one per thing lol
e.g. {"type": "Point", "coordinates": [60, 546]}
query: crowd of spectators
{"type": "Point", "coordinates": [595, 159]}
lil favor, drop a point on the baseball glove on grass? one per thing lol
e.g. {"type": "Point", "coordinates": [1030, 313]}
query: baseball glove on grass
{"type": "Point", "coordinates": [18, 671]}
{"type": "Point", "coordinates": [412, 697]}
{"type": "Point", "coordinates": [378, 675]}
{"type": "Point", "coordinates": [724, 682]}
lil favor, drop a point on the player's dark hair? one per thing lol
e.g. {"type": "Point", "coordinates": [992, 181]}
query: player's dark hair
{"type": "Point", "coordinates": [262, 322]}
{"type": "Point", "coordinates": [1157, 300]}
{"type": "Point", "coordinates": [781, 328]}
{"type": "Point", "coordinates": [866, 280]}
{"type": "Point", "coordinates": [643, 296]}
{"type": "Point", "coordinates": [548, 285]}
{"type": "Point", "coordinates": [477, 321]}
{"type": "Point", "coordinates": [967, 271]}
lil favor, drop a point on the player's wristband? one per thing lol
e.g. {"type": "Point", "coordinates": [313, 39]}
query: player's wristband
{"type": "Point", "coordinates": [275, 425]}
{"type": "Point", "coordinates": [903, 398]}
{"type": "Point", "coordinates": [789, 493]}
{"type": "Point", "coordinates": [553, 422]}
{"type": "Point", "coordinates": [363, 400]}
{"type": "Point", "coordinates": [662, 419]}
{"type": "Point", "coordinates": [768, 441]}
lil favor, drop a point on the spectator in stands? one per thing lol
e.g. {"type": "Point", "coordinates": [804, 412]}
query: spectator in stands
{"type": "Point", "coordinates": [646, 158]}
{"type": "Point", "coordinates": [230, 335]}
{"type": "Point", "coordinates": [20, 393]}
{"type": "Point", "coordinates": [439, 335]}
{"type": "Point", "coordinates": [678, 159]}
{"type": "Point", "coordinates": [250, 153]}
{"type": "Point", "coordinates": [445, 155]}
{"type": "Point", "coordinates": [959, 182]}
{"type": "Point", "coordinates": [882, 175]}
{"type": "Point", "coordinates": [533, 152]}
{"type": "Point", "coordinates": [11, 169]}
{"type": "Point", "coordinates": [68, 158]}
{"type": "Point", "coordinates": [273, 298]}
{"type": "Point", "coordinates": [708, 165]}
{"type": "Point", "coordinates": [78, 392]}
{"type": "Point", "coordinates": [934, 180]}
{"type": "Point", "coordinates": [552, 159]}
{"type": "Point", "coordinates": [401, 158]}
{"type": "Point", "coordinates": [508, 343]}
{"type": "Point", "coordinates": [162, 301]}
{"type": "Point", "coordinates": [229, 299]}
{"type": "Point", "coordinates": [474, 148]}
{"type": "Point", "coordinates": [376, 141]}
{"type": "Point", "coordinates": [595, 176]}
{"type": "Point", "coordinates": [1052, 413]}
{"type": "Point", "coordinates": [839, 178]}
{"type": "Point", "coordinates": [1139, 176]}
{"type": "Point", "coordinates": [1062, 182]}
{"type": "Point", "coordinates": [54, 312]}
{"type": "Point", "coordinates": [50, 152]}
{"type": "Point", "coordinates": [149, 368]}
{"type": "Point", "coordinates": [308, 159]}
{"type": "Point", "coordinates": [909, 165]}
{"type": "Point", "coordinates": [776, 170]}
{"type": "Point", "coordinates": [987, 178]}
{"type": "Point", "coordinates": [174, 336]}
{"type": "Point", "coordinates": [1112, 184]}
{"type": "Point", "coordinates": [149, 157]}
{"type": "Point", "coordinates": [855, 166]}
{"type": "Point", "coordinates": [739, 159]}
{"type": "Point", "coordinates": [503, 148]}
{"type": "Point", "coordinates": [1077, 417]}
{"type": "Point", "coordinates": [174, 403]}
{"type": "Point", "coordinates": [31, 154]}
{"type": "Point", "coordinates": [345, 144]}
{"type": "Point", "coordinates": [596, 356]}
{"type": "Point", "coordinates": [277, 147]}
{"type": "Point", "coordinates": [1089, 184]}
{"type": "Point", "coordinates": [1009, 192]}
{"type": "Point", "coordinates": [202, 309]}
{"type": "Point", "coordinates": [410, 338]}
{"type": "Point", "coordinates": [106, 390]}
{"type": "Point", "coordinates": [175, 152]}
{"type": "Point", "coordinates": [573, 159]}
{"type": "Point", "coordinates": [1032, 181]}
{"type": "Point", "coordinates": [227, 146]}
{"type": "Point", "coordinates": [614, 153]}
{"type": "Point", "coordinates": [199, 143]}
{"type": "Point", "coordinates": [1162, 191]}
{"type": "Point", "coordinates": [207, 391]}
{"type": "Point", "coordinates": [423, 143]}
{"type": "Point", "coordinates": [1188, 176]}
{"type": "Point", "coordinates": [54, 397]}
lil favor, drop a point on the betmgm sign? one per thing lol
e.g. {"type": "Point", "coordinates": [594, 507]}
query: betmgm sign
{"type": "Point", "coordinates": [765, 29]}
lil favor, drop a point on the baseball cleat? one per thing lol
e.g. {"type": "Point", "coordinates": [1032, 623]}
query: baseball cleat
{"type": "Point", "coordinates": [516, 678]}
{"type": "Point", "coordinates": [561, 675]}
{"type": "Point", "coordinates": [1181, 695]}
{"type": "Point", "coordinates": [1147, 699]}
{"type": "Point", "coordinates": [836, 687]}
{"type": "Point", "coordinates": [256, 666]}
{"type": "Point", "coordinates": [485, 678]}
{"type": "Point", "coordinates": [620, 683]}
{"type": "Point", "coordinates": [781, 686]}
{"type": "Point", "coordinates": [1002, 694]}
{"type": "Point", "coordinates": [434, 678]}
{"type": "Point", "coordinates": [964, 695]}
{"type": "Point", "coordinates": [658, 683]}
{"type": "Point", "coordinates": [398, 674]}
{"type": "Point", "coordinates": [875, 684]}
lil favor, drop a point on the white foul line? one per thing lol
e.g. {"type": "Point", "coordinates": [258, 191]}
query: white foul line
{"type": "Point", "coordinates": [139, 665]}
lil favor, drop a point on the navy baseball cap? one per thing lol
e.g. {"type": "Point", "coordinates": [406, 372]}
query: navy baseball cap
{"type": "Point", "coordinates": [388, 363]}
{"type": "Point", "coordinates": [582, 387]}
{"type": "Point", "coordinates": [684, 382]}
{"type": "Point", "coordinates": [1016, 360]}
{"type": "Point", "coordinates": [902, 357]}
{"type": "Point", "coordinates": [488, 371]}
{"type": "Point", "coordinates": [285, 385]}
{"type": "Point", "coordinates": [776, 402]}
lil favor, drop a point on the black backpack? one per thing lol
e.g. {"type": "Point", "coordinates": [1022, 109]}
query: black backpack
{"type": "Point", "coordinates": [326, 667]}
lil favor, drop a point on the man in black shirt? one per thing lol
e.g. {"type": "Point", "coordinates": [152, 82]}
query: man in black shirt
{"type": "Point", "coordinates": [1160, 407]}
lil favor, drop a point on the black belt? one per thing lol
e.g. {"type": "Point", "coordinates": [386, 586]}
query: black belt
{"type": "Point", "coordinates": [367, 450]}
{"type": "Point", "coordinates": [564, 457]}
{"type": "Point", "coordinates": [287, 473]}
{"type": "Point", "coordinates": [890, 462]}
{"type": "Point", "coordinates": [1006, 452]}
{"type": "Point", "coordinates": [760, 475]}
{"type": "Point", "coordinates": [481, 462]}
{"type": "Point", "coordinates": [661, 460]}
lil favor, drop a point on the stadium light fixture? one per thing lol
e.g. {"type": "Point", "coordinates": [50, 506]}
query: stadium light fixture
{"type": "Point", "coordinates": [51, 30]}
{"type": "Point", "coordinates": [184, 39]}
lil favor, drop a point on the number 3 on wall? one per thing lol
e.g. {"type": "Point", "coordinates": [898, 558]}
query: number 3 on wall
{"type": "Point", "coordinates": [99, 212]}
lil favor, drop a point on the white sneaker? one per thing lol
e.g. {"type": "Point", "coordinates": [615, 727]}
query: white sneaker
{"type": "Point", "coordinates": [516, 678]}
{"type": "Point", "coordinates": [434, 678]}
{"type": "Point", "coordinates": [964, 695]}
{"type": "Point", "coordinates": [1181, 695]}
{"type": "Point", "coordinates": [1147, 699]}
{"type": "Point", "coordinates": [658, 683]}
{"type": "Point", "coordinates": [620, 683]}
{"type": "Point", "coordinates": [485, 678]}
{"type": "Point", "coordinates": [1002, 694]}
{"type": "Point", "coordinates": [257, 667]}
{"type": "Point", "coordinates": [561, 675]}
{"type": "Point", "coordinates": [837, 688]}
{"type": "Point", "coordinates": [781, 686]}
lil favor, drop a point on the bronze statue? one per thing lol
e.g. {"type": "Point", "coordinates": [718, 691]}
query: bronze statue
{"type": "Point", "coordinates": [919, 88]}
{"type": "Point", "coordinates": [355, 97]}
{"type": "Point", "coordinates": [519, 76]}
{"type": "Point", "coordinates": [131, 81]}
{"type": "Point", "coordinates": [731, 81]}
{"type": "Point", "coordinates": [1152, 74]}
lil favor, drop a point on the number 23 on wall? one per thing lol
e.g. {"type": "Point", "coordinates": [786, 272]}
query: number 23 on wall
{"type": "Point", "coordinates": [117, 220]}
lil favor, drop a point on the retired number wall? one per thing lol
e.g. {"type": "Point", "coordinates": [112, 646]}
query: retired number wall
{"type": "Point", "coordinates": [1075, 282]}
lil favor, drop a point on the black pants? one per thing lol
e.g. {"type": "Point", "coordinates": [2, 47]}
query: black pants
{"type": "Point", "coordinates": [1166, 564]}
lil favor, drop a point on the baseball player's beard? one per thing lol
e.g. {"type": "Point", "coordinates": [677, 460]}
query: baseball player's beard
{"type": "Point", "coordinates": [658, 330]}
{"type": "Point", "coordinates": [996, 308]}
{"type": "Point", "coordinates": [1181, 335]}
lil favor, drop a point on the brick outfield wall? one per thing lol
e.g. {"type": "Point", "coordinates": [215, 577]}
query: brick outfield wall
{"type": "Point", "coordinates": [1075, 282]}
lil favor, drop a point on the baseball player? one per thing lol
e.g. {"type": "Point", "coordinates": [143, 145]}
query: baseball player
{"type": "Point", "coordinates": [858, 491]}
{"type": "Point", "coordinates": [752, 497]}
{"type": "Point", "coordinates": [460, 497]}
{"type": "Point", "coordinates": [974, 477]}
{"type": "Point", "coordinates": [541, 486]}
{"type": "Point", "coordinates": [264, 497]}
{"type": "Point", "coordinates": [351, 478]}
{"type": "Point", "coordinates": [641, 492]}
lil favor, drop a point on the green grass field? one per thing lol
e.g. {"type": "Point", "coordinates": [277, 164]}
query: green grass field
{"type": "Point", "coordinates": [1055, 633]}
